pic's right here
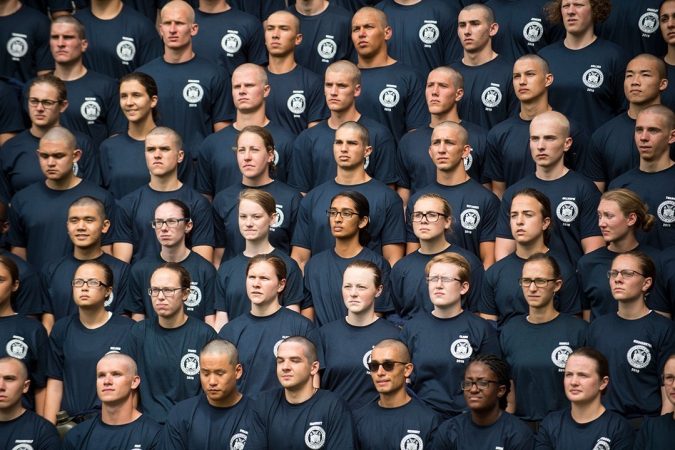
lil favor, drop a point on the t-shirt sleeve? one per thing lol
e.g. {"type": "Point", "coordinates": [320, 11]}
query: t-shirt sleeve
{"type": "Point", "coordinates": [43, 54]}
{"type": "Point", "coordinates": [221, 101]}
{"type": "Point", "coordinates": [393, 231]}
{"type": "Point", "coordinates": [503, 223]}
{"type": "Point", "coordinates": [203, 232]}
{"type": "Point", "coordinates": [122, 287]}
{"type": "Point", "coordinates": [589, 215]}
{"type": "Point", "coordinates": [489, 220]}
{"type": "Point", "coordinates": [316, 101]}
{"type": "Point", "coordinates": [300, 171]}
{"type": "Point", "coordinates": [134, 301]}
{"type": "Point", "coordinates": [90, 164]}
{"type": "Point", "coordinates": [590, 163]}
{"type": "Point", "coordinates": [340, 433]}
{"type": "Point", "coordinates": [543, 440]}
{"type": "Point", "coordinates": [303, 227]}
{"type": "Point", "coordinates": [173, 435]}
{"type": "Point", "coordinates": [493, 168]}
{"type": "Point", "coordinates": [203, 177]}
{"type": "Point", "coordinates": [488, 302]}
{"type": "Point", "coordinates": [17, 232]}
{"type": "Point", "coordinates": [416, 112]}
{"type": "Point", "coordinates": [384, 158]}
{"type": "Point", "coordinates": [56, 356]}
{"type": "Point", "coordinates": [256, 50]}
{"type": "Point", "coordinates": [295, 292]}
{"type": "Point", "coordinates": [39, 374]}
{"type": "Point", "coordinates": [151, 46]}
{"type": "Point", "coordinates": [570, 295]}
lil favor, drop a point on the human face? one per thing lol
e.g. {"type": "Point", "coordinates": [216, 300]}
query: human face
{"type": "Point", "coordinates": [218, 377]}
{"type": "Point", "coordinates": [90, 297]}
{"type": "Point", "coordinates": [529, 80]}
{"type": "Point", "coordinates": [294, 370]}
{"type": "Point", "coordinates": [7, 285]}
{"type": "Point", "coordinates": [482, 399]}
{"type": "Point", "coordinates": [281, 34]}
{"type": "Point", "coordinates": [547, 142]}
{"type": "Point", "coordinates": [581, 380]}
{"type": "Point", "coordinates": [170, 237]}
{"type": "Point", "coordinates": [176, 26]}
{"type": "Point", "coordinates": [628, 289]}
{"type": "Point", "coordinates": [446, 149]}
{"type": "Point", "coordinates": [426, 230]}
{"type": "Point", "coordinates": [340, 90]}
{"type": "Point", "coordinates": [254, 222]}
{"type": "Point", "coordinates": [115, 380]}
{"type": "Point", "coordinates": [171, 306]}
{"type": "Point", "coordinates": [642, 84]}
{"type": "Point", "coordinates": [369, 34]}
{"type": "Point", "coordinates": [12, 384]}
{"type": "Point", "coordinates": [526, 219]}
{"type": "Point", "coordinates": [359, 291]}
{"type": "Point", "coordinates": [652, 136]}
{"type": "Point", "coordinates": [41, 116]}
{"type": "Point", "coordinates": [262, 284]}
{"type": "Point", "coordinates": [577, 16]}
{"type": "Point", "coordinates": [85, 226]}
{"type": "Point", "coordinates": [161, 155]}
{"type": "Point", "coordinates": [539, 297]}
{"type": "Point", "coordinates": [474, 31]}
{"type": "Point", "coordinates": [64, 43]}
{"type": "Point", "coordinates": [341, 227]}
{"type": "Point", "coordinates": [135, 102]}
{"type": "Point", "coordinates": [252, 156]}
{"type": "Point", "coordinates": [348, 149]}
{"type": "Point", "coordinates": [446, 294]}
{"type": "Point", "coordinates": [441, 93]}
{"type": "Point", "coordinates": [248, 89]}
{"type": "Point", "coordinates": [667, 16]}
{"type": "Point", "coordinates": [613, 224]}
{"type": "Point", "coordinates": [668, 377]}
{"type": "Point", "coordinates": [391, 382]}
{"type": "Point", "coordinates": [56, 160]}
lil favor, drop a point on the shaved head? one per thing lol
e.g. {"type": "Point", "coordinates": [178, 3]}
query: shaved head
{"type": "Point", "coordinates": [555, 117]}
{"type": "Point", "coordinates": [462, 134]}
{"type": "Point", "coordinates": [378, 13]}
{"type": "Point", "coordinates": [60, 134]}
{"type": "Point", "coordinates": [294, 20]}
{"type": "Point", "coordinates": [344, 66]}
{"type": "Point", "coordinates": [123, 360]}
{"type": "Point", "coordinates": [401, 349]}
{"type": "Point", "coordinates": [259, 71]}
{"type": "Point", "coordinates": [180, 4]}
{"type": "Point", "coordinates": [221, 347]}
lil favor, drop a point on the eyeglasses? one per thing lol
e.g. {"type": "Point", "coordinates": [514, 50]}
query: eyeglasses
{"type": "Point", "coordinates": [171, 223]}
{"type": "Point", "coordinates": [444, 280]}
{"type": "Point", "coordinates": [539, 282]}
{"type": "Point", "coordinates": [346, 214]}
{"type": "Point", "coordinates": [625, 273]}
{"type": "Point", "coordinates": [430, 216]}
{"type": "Point", "coordinates": [388, 366]}
{"type": "Point", "coordinates": [91, 282]}
{"type": "Point", "coordinates": [167, 291]}
{"type": "Point", "coordinates": [466, 385]}
{"type": "Point", "coordinates": [46, 103]}
{"type": "Point", "coordinates": [668, 380]}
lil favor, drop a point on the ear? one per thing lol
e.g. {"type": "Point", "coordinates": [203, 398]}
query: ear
{"type": "Point", "coordinates": [604, 383]}
{"type": "Point", "coordinates": [388, 33]}
{"type": "Point", "coordinates": [647, 284]}
{"type": "Point", "coordinates": [188, 226]}
{"type": "Point", "coordinates": [465, 288]}
{"type": "Point", "coordinates": [153, 101]}
{"type": "Point", "coordinates": [238, 371]}
{"type": "Point", "coordinates": [466, 151]}
{"type": "Point", "coordinates": [501, 391]}
{"type": "Point", "coordinates": [314, 368]}
{"type": "Point", "coordinates": [64, 106]}
{"type": "Point", "coordinates": [631, 219]}
{"type": "Point", "coordinates": [671, 139]}
{"type": "Point", "coordinates": [105, 226]}
{"type": "Point", "coordinates": [77, 154]}
{"type": "Point", "coordinates": [379, 291]}
{"type": "Point", "coordinates": [408, 370]}
{"type": "Point", "coordinates": [181, 155]}
{"type": "Point", "coordinates": [15, 285]}
{"type": "Point", "coordinates": [135, 382]}
{"type": "Point", "coordinates": [663, 84]}
{"type": "Point", "coordinates": [568, 143]}
{"type": "Point", "coordinates": [363, 222]}
{"type": "Point", "coordinates": [357, 90]}
{"type": "Point", "coordinates": [85, 45]}
{"type": "Point", "coordinates": [494, 28]}
{"type": "Point", "coordinates": [368, 151]}
{"type": "Point", "coordinates": [546, 223]}
{"type": "Point", "coordinates": [282, 285]}
{"type": "Point", "coordinates": [298, 39]}
{"type": "Point", "coordinates": [266, 90]}
{"type": "Point", "coordinates": [557, 285]}
{"type": "Point", "coordinates": [548, 79]}
{"type": "Point", "coordinates": [26, 387]}
{"type": "Point", "coordinates": [194, 29]}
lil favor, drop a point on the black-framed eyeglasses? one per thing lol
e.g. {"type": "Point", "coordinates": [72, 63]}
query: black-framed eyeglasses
{"type": "Point", "coordinates": [45, 102]}
{"type": "Point", "coordinates": [539, 282]}
{"type": "Point", "coordinates": [171, 222]}
{"type": "Point", "coordinates": [430, 216]}
{"type": "Point", "coordinates": [167, 291]}
{"type": "Point", "coordinates": [625, 273]}
{"type": "Point", "coordinates": [466, 385]}
{"type": "Point", "coordinates": [388, 366]}
{"type": "Point", "coordinates": [667, 380]}
{"type": "Point", "coordinates": [445, 280]}
{"type": "Point", "coordinates": [91, 282]}
{"type": "Point", "coordinates": [346, 214]}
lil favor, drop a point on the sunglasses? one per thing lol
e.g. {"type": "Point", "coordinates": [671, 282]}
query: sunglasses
{"type": "Point", "coordinates": [388, 366]}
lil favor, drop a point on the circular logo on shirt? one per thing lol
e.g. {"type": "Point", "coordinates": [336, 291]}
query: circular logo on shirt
{"type": "Point", "coordinates": [90, 110]}
{"type": "Point", "coordinates": [366, 162]}
{"type": "Point", "coordinates": [491, 97]}
{"type": "Point", "coordinates": [593, 77]}
{"type": "Point", "coordinates": [108, 301]}
{"type": "Point", "coordinates": [193, 92]}
{"type": "Point", "coordinates": [666, 211]}
{"type": "Point", "coordinates": [315, 437]}
{"type": "Point", "coordinates": [279, 220]}
{"type": "Point", "coordinates": [17, 348]}
{"type": "Point", "coordinates": [560, 354]}
{"type": "Point", "coordinates": [389, 97]}
{"type": "Point", "coordinates": [23, 447]}
{"type": "Point", "coordinates": [601, 444]}
{"type": "Point", "coordinates": [461, 349]}
{"type": "Point", "coordinates": [126, 50]}
{"type": "Point", "coordinates": [238, 441]}
{"type": "Point", "coordinates": [296, 103]}
{"type": "Point", "coordinates": [189, 364]}
{"type": "Point", "coordinates": [276, 346]}
{"type": "Point", "coordinates": [231, 43]}
{"type": "Point", "coordinates": [429, 33]}
{"type": "Point", "coordinates": [195, 296]}
{"type": "Point", "coordinates": [468, 161]}
{"type": "Point", "coordinates": [470, 218]}
{"type": "Point", "coordinates": [648, 22]}
{"type": "Point", "coordinates": [533, 31]}
{"type": "Point", "coordinates": [411, 442]}
{"type": "Point", "coordinates": [326, 48]}
{"type": "Point", "coordinates": [17, 46]}
{"type": "Point", "coordinates": [366, 359]}
{"type": "Point", "coordinates": [567, 211]}
{"type": "Point", "coordinates": [76, 169]}
{"type": "Point", "coordinates": [639, 356]}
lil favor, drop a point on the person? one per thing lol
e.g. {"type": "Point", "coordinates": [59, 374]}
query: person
{"type": "Point", "coordinates": [173, 223]}
{"type": "Point", "coordinates": [530, 220]}
{"type": "Point", "coordinates": [389, 88]}
{"type": "Point", "coordinates": [386, 228]}
{"type": "Point", "coordinates": [667, 22]}
{"type": "Point", "coordinates": [636, 340]}
{"type": "Point", "coordinates": [257, 334]}
{"type": "Point", "coordinates": [475, 207]}
{"type": "Point", "coordinates": [120, 425]}
{"type": "Point", "coordinates": [256, 156]}
{"type": "Point", "coordinates": [18, 424]}
{"type": "Point", "coordinates": [613, 149]}
{"type": "Point", "coordinates": [658, 433]}
{"type": "Point", "coordinates": [71, 386]}
{"type": "Point", "coordinates": [35, 209]}
{"type": "Point", "coordinates": [486, 386]}
{"type": "Point", "coordinates": [345, 344]}
{"type": "Point", "coordinates": [92, 96]}
{"type": "Point", "coordinates": [621, 215]}
{"type": "Point", "coordinates": [122, 157]}
{"type": "Point", "coordinates": [297, 414]}
{"type": "Point", "coordinates": [574, 197]}
{"type": "Point", "coordinates": [217, 167]}
{"type": "Point", "coordinates": [348, 218]}
{"type": "Point", "coordinates": [257, 213]}
{"type": "Point", "coordinates": [463, 334]}
{"type": "Point", "coordinates": [163, 153]}
{"type": "Point", "coordinates": [588, 69]}
{"type": "Point", "coordinates": [536, 346]}
{"type": "Point", "coordinates": [121, 39]}
{"type": "Point", "coordinates": [653, 178]}
{"type": "Point", "coordinates": [313, 162]}
{"type": "Point", "coordinates": [166, 348]}
{"type": "Point", "coordinates": [294, 101]}
{"type": "Point", "coordinates": [396, 419]}
{"type": "Point", "coordinates": [586, 422]}
{"type": "Point", "coordinates": [634, 25]}
{"type": "Point", "coordinates": [221, 414]}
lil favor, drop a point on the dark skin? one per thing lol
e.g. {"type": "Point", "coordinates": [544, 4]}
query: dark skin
{"type": "Point", "coordinates": [483, 403]}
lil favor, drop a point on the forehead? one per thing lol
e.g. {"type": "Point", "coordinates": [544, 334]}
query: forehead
{"type": "Point", "coordinates": [478, 370]}
{"type": "Point", "coordinates": [88, 270]}
{"type": "Point", "coordinates": [439, 76]}
{"type": "Point", "coordinates": [334, 76]}
{"type": "Point", "coordinates": [648, 119]}
{"type": "Point", "coordinates": [608, 205]}
{"type": "Point", "coordinates": [63, 28]}
{"type": "Point", "coordinates": [249, 138]}
{"type": "Point", "coordinates": [367, 17]}
{"type": "Point", "coordinates": [132, 85]}
{"type": "Point", "coordinates": [177, 11]}
{"type": "Point", "coordinates": [387, 352]}
{"type": "Point", "coordinates": [83, 210]}
{"type": "Point", "coordinates": [343, 202]}
{"type": "Point", "coordinates": [112, 364]}
{"type": "Point", "coordinates": [443, 267]}
{"type": "Point", "coordinates": [10, 367]}
{"type": "Point", "coordinates": [581, 362]}
{"type": "Point", "coordinates": [527, 65]}
{"type": "Point", "coordinates": [641, 64]}
{"type": "Point", "coordinates": [668, 7]}
{"type": "Point", "coordinates": [670, 366]}
{"type": "Point", "coordinates": [625, 261]}
{"type": "Point", "coordinates": [168, 209]}
{"type": "Point", "coordinates": [472, 15]}
{"type": "Point", "coordinates": [54, 146]}
{"type": "Point", "coordinates": [282, 18]}
{"type": "Point", "coordinates": [291, 350]}
{"type": "Point", "coordinates": [43, 90]}
{"type": "Point", "coordinates": [537, 267]}
{"type": "Point", "coordinates": [358, 274]}
{"type": "Point", "coordinates": [213, 361]}
{"type": "Point", "coordinates": [348, 133]}
{"type": "Point", "coordinates": [262, 267]}
{"type": "Point", "coordinates": [159, 140]}
{"type": "Point", "coordinates": [545, 125]}
{"type": "Point", "coordinates": [244, 74]}
{"type": "Point", "coordinates": [249, 206]}
{"type": "Point", "coordinates": [524, 202]}
{"type": "Point", "coordinates": [445, 131]}
{"type": "Point", "coordinates": [164, 276]}
{"type": "Point", "coordinates": [426, 204]}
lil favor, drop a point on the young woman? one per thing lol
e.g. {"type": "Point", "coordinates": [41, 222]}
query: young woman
{"type": "Point", "coordinates": [448, 326]}
{"type": "Point", "coordinates": [431, 217]}
{"type": "Point", "coordinates": [348, 218]}
{"type": "Point", "coordinates": [586, 423]}
{"type": "Point", "coordinates": [257, 333]}
{"type": "Point", "coordinates": [257, 213]}
{"type": "Point", "coordinates": [345, 345]}
{"type": "Point", "coordinates": [659, 432]}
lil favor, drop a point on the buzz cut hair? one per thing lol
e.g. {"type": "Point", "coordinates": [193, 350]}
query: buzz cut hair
{"type": "Point", "coordinates": [222, 347]}
{"type": "Point", "coordinates": [166, 131]}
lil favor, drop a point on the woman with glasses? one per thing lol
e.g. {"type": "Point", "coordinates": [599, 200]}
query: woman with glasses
{"type": "Point", "coordinates": [443, 341]}
{"type": "Point", "coordinates": [431, 218]}
{"type": "Point", "coordinates": [258, 332]}
{"type": "Point", "coordinates": [636, 340]}
{"type": "Point", "coordinates": [78, 341]}
{"type": "Point", "coordinates": [345, 345]}
{"type": "Point", "coordinates": [536, 344]}
{"type": "Point", "coordinates": [485, 387]}
{"type": "Point", "coordinates": [348, 219]}
{"type": "Point", "coordinates": [659, 432]}
{"type": "Point", "coordinates": [172, 224]}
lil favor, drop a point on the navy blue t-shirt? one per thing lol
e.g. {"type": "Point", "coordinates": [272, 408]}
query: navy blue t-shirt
{"type": "Point", "coordinates": [143, 433]}
{"type": "Point", "coordinates": [24, 45]}
{"type": "Point", "coordinates": [10, 121]}
{"type": "Point", "coordinates": [667, 263]}
{"type": "Point", "coordinates": [31, 297]}
{"type": "Point", "coordinates": [668, 96]}
{"type": "Point", "coordinates": [29, 428]}
{"type": "Point", "coordinates": [441, 350]}
{"type": "Point", "coordinates": [259, 8]}
{"type": "Point", "coordinates": [656, 433]}
{"type": "Point", "coordinates": [461, 433]}
{"type": "Point", "coordinates": [634, 25]}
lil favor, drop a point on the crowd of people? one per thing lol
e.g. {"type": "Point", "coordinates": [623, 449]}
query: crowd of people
{"type": "Point", "coordinates": [344, 224]}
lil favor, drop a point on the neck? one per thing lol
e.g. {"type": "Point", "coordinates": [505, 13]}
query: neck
{"type": "Point", "coordinates": [348, 248]}
{"type": "Point", "coordinates": [581, 40]}
{"type": "Point", "coordinates": [70, 71]}
{"type": "Point", "coordinates": [87, 253]}
{"type": "Point", "coordinates": [551, 173]}
{"type": "Point", "coordinates": [301, 393]}
{"type": "Point", "coordinates": [633, 309]}
{"type": "Point", "coordinates": [380, 59]}
{"type": "Point", "coordinates": [281, 64]}
{"type": "Point", "coordinates": [542, 315]}
{"type": "Point", "coordinates": [452, 177]}
{"type": "Point", "coordinates": [480, 57]}
{"type": "Point", "coordinates": [337, 118]}
{"type": "Point", "coordinates": [167, 183]}
{"type": "Point", "coordinates": [624, 244]}
{"type": "Point", "coordinates": [62, 185]}
{"type": "Point", "coordinates": [524, 251]}
{"type": "Point", "coordinates": [311, 7]}
{"type": "Point", "coordinates": [95, 317]}
{"type": "Point", "coordinates": [15, 411]}
{"type": "Point", "coordinates": [9, 7]}
{"type": "Point", "coordinates": [140, 129]}
{"type": "Point", "coordinates": [587, 412]}
{"type": "Point", "coordinates": [485, 418]}
{"type": "Point", "coordinates": [119, 414]}
{"type": "Point", "coordinates": [670, 56]}
{"type": "Point", "coordinates": [228, 402]}
{"type": "Point", "coordinates": [352, 177]}
{"type": "Point", "coordinates": [263, 180]}
{"type": "Point", "coordinates": [362, 319]}
{"type": "Point", "coordinates": [529, 110]}
{"type": "Point", "coordinates": [434, 246]}
{"type": "Point", "coordinates": [213, 7]}
{"type": "Point", "coordinates": [106, 10]}
{"type": "Point", "coordinates": [448, 311]}
{"type": "Point", "coordinates": [452, 115]}
{"type": "Point", "coordinates": [394, 399]}
{"type": "Point", "coordinates": [177, 56]}
{"type": "Point", "coordinates": [252, 117]}
{"type": "Point", "coordinates": [6, 309]}
{"type": "Point", "coordinates": [174, 321]}
{"type": "Point", "coordinates": [634, 109]}
{"type": "Point", "coordinates": [265, 309]}
{"type": "Point", "coordinates": [258, 247]}
{"type": "Point", "coordinates": [177, 253]}
{"type": "Point", "coordinates": [658, 165]}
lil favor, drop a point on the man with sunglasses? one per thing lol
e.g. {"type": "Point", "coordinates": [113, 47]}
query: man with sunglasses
{"type": "Point", "coordinates": [401, 421]}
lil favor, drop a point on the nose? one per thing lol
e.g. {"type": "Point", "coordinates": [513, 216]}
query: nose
{"type": "Point", "coordinates": [532, 287]}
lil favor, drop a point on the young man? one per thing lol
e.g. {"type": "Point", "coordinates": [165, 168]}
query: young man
{"type": "Point", "coordinates": [313, 162]}
{"type": "Point", "coordinates": [667, 16]}
{"type": "Point", "coordinates": [120, 424]}
{"type": "Point", "coordinates": [221, 415]}
{"type": "Point", "coordinates": [400, 421]}
{"type": "Point", "coordinates": [297, 414]}
{"type": "Point", "coordinates": [487, 76]}
{"type": "Point", "coordinates": [659, 433]}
